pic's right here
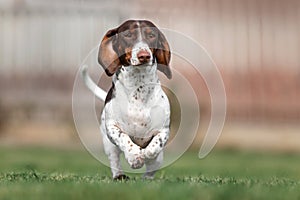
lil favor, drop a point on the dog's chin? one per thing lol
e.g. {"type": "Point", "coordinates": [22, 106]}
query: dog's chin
{"type": "Point", "coordinates": [141, 64]}
{"type": "Point", "coordinates": [137, 63]}
{"type": "Point", "coordinates": [145, 64]}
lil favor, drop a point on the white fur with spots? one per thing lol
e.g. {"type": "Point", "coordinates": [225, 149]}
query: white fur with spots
{"type": "Point", "coordinates": [138, 112]}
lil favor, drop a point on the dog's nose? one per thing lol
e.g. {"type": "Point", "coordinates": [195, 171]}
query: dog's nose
{"type": "Point", "coordinates": [143, 56]}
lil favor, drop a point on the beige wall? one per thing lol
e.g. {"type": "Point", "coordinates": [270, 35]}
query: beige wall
{"type": "Point", "coordinates": [255, 43]}
{"type": "Point", "coordinates": [239, 34]}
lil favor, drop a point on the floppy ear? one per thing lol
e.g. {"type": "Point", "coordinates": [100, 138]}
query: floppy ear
{"type": "Point", "coordinates": [107, 57]}
{"type": "Point", "coordinates": [163, 55]}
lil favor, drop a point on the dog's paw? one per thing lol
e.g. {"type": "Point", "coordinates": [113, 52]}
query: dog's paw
{"type": "Point", "coordinates": [135, 158]}
{"type": "Point", "coordinates": [150, 153]}
{"type": "Point", "coordinates": [136, 163]}
{"type": "Point", "coordinates": [121, 177]}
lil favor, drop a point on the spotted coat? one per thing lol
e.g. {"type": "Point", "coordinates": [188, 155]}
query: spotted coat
{"type": "Point", "coordinates": [136, 116]}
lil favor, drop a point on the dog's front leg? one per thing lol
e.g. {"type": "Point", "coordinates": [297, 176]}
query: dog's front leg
{"type": "Point", "coordinates": [157, 143]}
{"type": "Point", "coordinates": [133, 153]}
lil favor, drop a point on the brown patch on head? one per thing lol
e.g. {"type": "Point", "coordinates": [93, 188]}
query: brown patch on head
{"type": "Point", "coordinates": [159, 46]}
{"type": "Point", "coordinates": [128, 54]}
{"type": "Point", "coordinates": [116, 46]}
{"type": "Point", "coordinates": [107, 57]}
{"type": "Point", "coordinates": [163, 56]}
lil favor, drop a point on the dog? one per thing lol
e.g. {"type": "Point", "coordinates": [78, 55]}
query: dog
{"type": "Point", "coordinates": [136, 116]}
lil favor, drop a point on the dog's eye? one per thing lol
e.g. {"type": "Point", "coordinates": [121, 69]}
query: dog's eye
{"type": "Point", "coordinates": [151, 35]}
{"type": "Point", "coordinates": [128, 35]}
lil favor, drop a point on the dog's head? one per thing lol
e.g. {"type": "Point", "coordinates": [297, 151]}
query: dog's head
{"type": "Point", "coordinates": [135, 43]}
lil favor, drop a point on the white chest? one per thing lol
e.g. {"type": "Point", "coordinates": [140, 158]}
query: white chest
{"type": "Point", "coordinates": [141, 112]}
{"type": "Point", "coordinates": [140, 107]}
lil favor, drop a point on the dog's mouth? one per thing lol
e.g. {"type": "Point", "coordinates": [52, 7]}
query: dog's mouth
{"type": "Point", "coordinates": [142, 64]}
{"type": "Point", "coordinates": [136, 62]}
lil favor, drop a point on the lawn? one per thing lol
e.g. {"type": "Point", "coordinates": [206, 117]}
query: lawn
{"type": "Point", "coordinates": [39, 173]}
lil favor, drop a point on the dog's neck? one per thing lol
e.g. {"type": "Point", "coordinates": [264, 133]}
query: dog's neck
{"type": "Point", "coordinates": [132, 77]}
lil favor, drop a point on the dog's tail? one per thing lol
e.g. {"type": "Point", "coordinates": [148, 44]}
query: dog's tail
{"type": "Point", "coordinates": [101, 94]}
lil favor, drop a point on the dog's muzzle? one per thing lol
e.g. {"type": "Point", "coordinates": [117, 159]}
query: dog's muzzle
{"type": "Point", "coordinates": [141, 54]}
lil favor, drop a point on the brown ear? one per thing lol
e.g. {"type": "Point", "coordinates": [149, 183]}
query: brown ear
{"type": "Point", "coordinates": [107, 57]}
{"type": "Point", "coordinates": [163, 55]}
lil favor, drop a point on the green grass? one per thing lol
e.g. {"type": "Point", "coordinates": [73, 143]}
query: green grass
{"type": "Point", "coordinates": [37, 173]}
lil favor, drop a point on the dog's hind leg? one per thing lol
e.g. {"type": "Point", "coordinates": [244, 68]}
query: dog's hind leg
{"type": "Point", "coordinates": [152, 165]}
{"type": "Point", "coordinates": [113, 153]}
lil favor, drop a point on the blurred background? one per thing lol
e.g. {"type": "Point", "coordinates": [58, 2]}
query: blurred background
{"type": "Point", "coordinates": [255, 44]}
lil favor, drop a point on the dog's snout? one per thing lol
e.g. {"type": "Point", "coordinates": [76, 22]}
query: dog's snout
{"type": "Point", "coordinates": [143, 56]}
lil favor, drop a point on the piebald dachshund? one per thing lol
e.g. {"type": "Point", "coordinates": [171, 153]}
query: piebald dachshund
{"type": "Point", "coordinates": [136, 116]}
